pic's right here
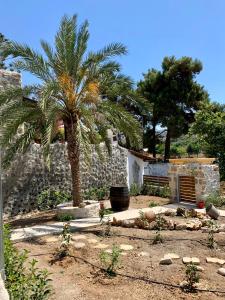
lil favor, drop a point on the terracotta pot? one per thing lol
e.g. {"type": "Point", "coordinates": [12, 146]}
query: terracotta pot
{"type": "Point", "coordinates": [201, 204]}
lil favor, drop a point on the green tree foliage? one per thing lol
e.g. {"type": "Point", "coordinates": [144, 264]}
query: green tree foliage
{"type": "Point", "coordinates": [209, 126]}
{"type": "Point", "coordinates": [71, 89]}
{"type": "Point", "coordinates": [2, 58]}
{"type": "Point", "coordinates": [175, 96]}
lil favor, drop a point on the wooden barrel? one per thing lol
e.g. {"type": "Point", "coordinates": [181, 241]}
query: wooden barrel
{"type": "Point", "coordinates": [119, 198]}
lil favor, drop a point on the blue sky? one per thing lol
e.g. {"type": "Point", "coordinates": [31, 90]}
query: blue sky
{"type": "Point", "coordinates": [151, 29]}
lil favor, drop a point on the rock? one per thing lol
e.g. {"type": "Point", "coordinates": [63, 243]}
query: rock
{"type": "Point", "coordinates": [123, 253]}
{"type": "Point", "coordinates": [215, 260]}
{"type": "Point", "coordinates": [170, 212]}
{"type": "Point", "coordinates": [193, 260]}
{"type": "Point", "coordinates": [101, 246]}
{"type": "Point", "coordinates": [166, 260]}
{"type": "Point", "coordinates": [92, 241]}
{"type": "Point", "coordinates": [200, 269]}
{"type": "Point", "coordinates": [186, 260]}
{"type": "Point", "coordinates": [150, 216]}
{"type": "Point", "coordinates": [126, 247]}
{"type": "Point", "coordinates": [79, 245]}
{"type": "Point", "coordinates": [78, 237]}
{"type": "Point", "coordinates": [221, 271]}
{"type": "Point", "coordinates": [181, 226]}
{"type": "Point", "coordinates": [171, 224]}
{"type": "Point", "coordinates": [108, 251]}
{"type": "Point", "coordinates": [173, 255]}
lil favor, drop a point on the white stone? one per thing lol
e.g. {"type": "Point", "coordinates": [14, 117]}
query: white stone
{"type": "Point", "coordinates": [221, 271]}
{"type": "Point", "coordinates": [92, 241]}
{"type": "Point", "coordinates": [173, 255]}
{"type": "Point", "coordinates": [215, 260]}
{"type": "Point", "coordinates": [186, 260]}
{"type": "Point", "coordinates": [166, 260]}
{"type": "Point", "coordinates": [79, 245]}
{"type": "Point", "coordinates": [195, 260]}
{"type": "Point", "coordinates": [126, 247]}
{"type": "Point", "coordinates": [108, 251]}
{"type": "Point", "coordinates": [90, 210]}
{"type": "Point", "coordinates": [200, 269]}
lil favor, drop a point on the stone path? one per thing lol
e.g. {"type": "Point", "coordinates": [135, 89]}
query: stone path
{"type": "Point", "coordinates": [76, 225]}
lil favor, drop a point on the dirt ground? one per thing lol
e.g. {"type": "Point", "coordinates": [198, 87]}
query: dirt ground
{"type": "Point", "coordinates": [47, 217]}
{"type": "Point", "coordinates": [78, 277]}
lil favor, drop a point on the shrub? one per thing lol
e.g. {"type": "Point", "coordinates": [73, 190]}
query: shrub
{"type": "Point", "coordinates": [211, 238]}
{"type": "Point", "coordinates": [153, 190]}
{"type": "Point", "coordinates": [160, 224]}
{"type": "Point", "coordinates": [111, 260]}
{"type": "Point", "coordinates": [135, 189]}
{"type": "Point", "coordinates": [65, 218]}
{"type": "Point", "coordinates": [24, 281]}
{"type": "Point", "coordinates": [96, 193]}
{"type": "Point", "coordinates": [192, 277]}
{"type": "Point", "coordinates": [64, 248]}
{"type": "Point", "coordinates": [215, 199]}
{"type": "Point", "coordinates": [152, 204]}
{"type": "Point", "coordinates": [49, 199]}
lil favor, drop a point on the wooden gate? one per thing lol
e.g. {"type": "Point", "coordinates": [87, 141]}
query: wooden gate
{"type": "Point", "coordinates": [187, 188]}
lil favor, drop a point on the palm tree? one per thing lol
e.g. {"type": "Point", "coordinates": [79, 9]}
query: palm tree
{"type": "Point", "coordinates": [70, 85]}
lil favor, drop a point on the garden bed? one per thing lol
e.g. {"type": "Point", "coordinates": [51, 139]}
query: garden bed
{"type": "Point", "coordinates": [78, 277]}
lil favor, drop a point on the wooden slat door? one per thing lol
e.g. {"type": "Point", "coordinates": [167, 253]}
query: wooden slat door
{"type": "Point", "coordinates": [187, 188]}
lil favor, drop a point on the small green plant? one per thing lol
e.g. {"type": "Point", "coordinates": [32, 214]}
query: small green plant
{"type": "Point", "coordinates": [65, 244]}
{"type": "Point", "coordinates": [107, 228]}
{"type": "Point", "coordinates": [135, 189]}
{"type": "Point", "coordinates": [192, 277]}
{"type": "Point", "coordinates": [152, 204]}
{"type": "Point", "coordinates": [96, 193]}
{"type": "Point", "coordinates": [143, 218]}
{"type": "Point", "coordinates": [49, 199]}
{"type": "Point", "coordinates": [111, 261]}
{"type": "Point", "coordinates": [212, 225]}
{"type": "Point", "coordinates": [103, 212]}
{"type": "Point", "coordinates": [216, 199]}
{"type": "Point", "coordinates": [65, 218]}
{"type": "Point", "coordinates": [24, 281]}
{"type": "Point", "coordinates": [155, 190]}
{"type": "Point", "coordinates": [160, 224]}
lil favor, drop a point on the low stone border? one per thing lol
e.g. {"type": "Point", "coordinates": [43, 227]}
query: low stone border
{"type": "Point", "coordinates": [91, 209]}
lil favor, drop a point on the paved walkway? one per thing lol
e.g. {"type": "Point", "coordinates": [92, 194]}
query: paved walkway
{"type": "Point", "coordinates": [55, 228]}
{"type": "Point", "coordinates": [45, 229]}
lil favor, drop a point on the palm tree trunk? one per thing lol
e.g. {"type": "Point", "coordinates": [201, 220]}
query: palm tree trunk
{"type": "Point", "coordinates": [167, 146]}
{"type": "Point", "coordinates": [73, 149]}
{"type": "Point", "coordinates": [153, 140]}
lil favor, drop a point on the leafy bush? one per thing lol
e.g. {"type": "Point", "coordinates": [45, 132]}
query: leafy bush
{"type": "Point", "coordinates": [135, 189]}
{"type": "Point", "coordinates": [111, 260]}
{"type": "Point", "coordinates": [96, 193]}
{"type": "Point", "coordinates": [154, 190]}
{"type": "Point", "coordinates": [49, 199]}
{"type": "Point", "coordinates": [152, 204]}
{"type": "Point", "coordinates": [215, 199]}
{"type": "Point", "coordinates": [192, 277]}
{"type": "Point", "coordinates": [23, 282]}
{"type": "Point", "coordinates": [65, 244]}
{"type": "Point", "coordinates": [65, 218]}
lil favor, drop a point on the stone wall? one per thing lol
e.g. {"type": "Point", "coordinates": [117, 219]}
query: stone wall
{"type": "Point", "coordinates": [207, 179]}
{"type": "Point", "coordinates": [9, 78]}
{"type": "Point", "coordinates": [28, 175]}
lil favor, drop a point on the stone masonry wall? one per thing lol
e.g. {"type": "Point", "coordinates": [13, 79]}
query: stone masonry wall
{"type": "Point", "coordinates": [207, 179]}
{"type": "Point", "coordinates": [28, 175]}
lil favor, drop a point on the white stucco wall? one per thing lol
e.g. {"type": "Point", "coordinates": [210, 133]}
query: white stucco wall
{"type": "Point", "coordinates": [135, 169]}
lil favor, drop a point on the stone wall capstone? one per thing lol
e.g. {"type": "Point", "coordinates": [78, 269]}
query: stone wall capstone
{"type": "Point", "coordinates": [28, 175]}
